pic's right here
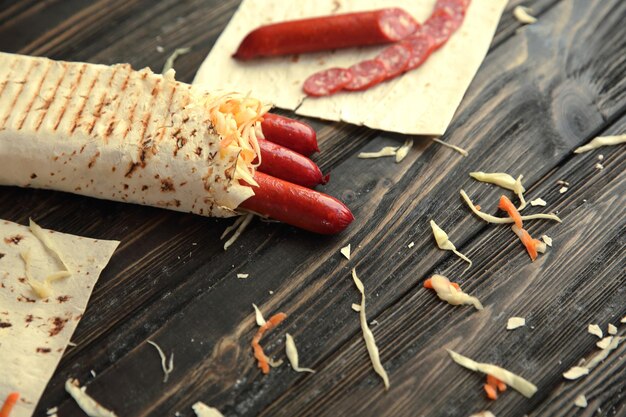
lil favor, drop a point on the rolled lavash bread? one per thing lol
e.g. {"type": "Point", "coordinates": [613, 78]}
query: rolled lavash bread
{"type": "Point", "coordinates": [134, 136]}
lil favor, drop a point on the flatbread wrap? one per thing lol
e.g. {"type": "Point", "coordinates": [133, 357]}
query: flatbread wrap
{"type": "Point", "coordinates": [134, 136]}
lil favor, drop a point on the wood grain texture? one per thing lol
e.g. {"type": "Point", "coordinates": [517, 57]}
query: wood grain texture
{"type": "Point", "coordinates": [558, 295]}
{"type": "Point", "coordinates": [543, 90]}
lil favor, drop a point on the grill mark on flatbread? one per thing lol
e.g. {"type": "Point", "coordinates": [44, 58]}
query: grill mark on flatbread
{"type": "Point", "coordinates": [70, 97]}
{"type": "Point", "coordinates": [6, 81]}
{"type": "Point", "coordinates": [143, 146]}
{"type": "Point", "coordinates": [104, 96]}
{"type": "Point", "coordinates": [50, 99]}
{"type": "Point", "coordinates": [35, 95]}
{"type": "Point", "coordinates": [170, 101]}
{"type": "Point", "coordinates": [32, 65]}
{"type": "Point", "coordinates": [79, 113]}
{"type": "Point", "coordinates": [131, 116]}
{"type": "Point", "coordinates": [120, 100]}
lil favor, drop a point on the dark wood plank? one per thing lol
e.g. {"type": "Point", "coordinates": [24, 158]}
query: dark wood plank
{"type": "Point", "coordinates": [393, 204]}
{"type": "Point", "coordinates": [579, 281]}
{"type": "Point", "coordinates": [147, 286]}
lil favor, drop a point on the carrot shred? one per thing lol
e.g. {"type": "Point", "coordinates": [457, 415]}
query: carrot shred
{"type": "Point", "coordinates": [501, 386]}
{"type": "Point", "coordinates": [529, 243]}
{"type": "Point", "coordinates": [477, 207]}
{"type": "Point", "coordinates": [263, 360]}
{"type": "Point", "coordinates": [496, 383]}
{"type": "Point", "coordinates": [9, 403]}
{"type": "Point", "coordinates": [491, 392]}
{"type": "Point", "coordinates": [492, 387]}
{"type": "Point", "coordinates": [506, 205]}
{"type": "Point", "coordinates": [429, 284]}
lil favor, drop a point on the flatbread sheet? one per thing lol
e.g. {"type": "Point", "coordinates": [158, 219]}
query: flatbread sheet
{"type": "Point", "coordinates": [422, 101]}
{"type": "Point", "coordinates": [34, 332]}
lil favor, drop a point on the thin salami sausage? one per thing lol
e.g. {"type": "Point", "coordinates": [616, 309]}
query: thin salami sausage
{"type": "Point", "coordinates": [327, 32]}
{"type": "Point", "coordinates": [327, 82]}
{"type": "Point", "coordinates": [288, 165]}
{"type": "Point", "coordinates": [366, 74]}
{"type": "Point", "coordinates": [441, 25]}
{"type": "Point", "coordinates": [298, 206]}
{"type": "Point", "coordinates": [454, 8]}
{"type": "Point", "coordinates": [290, 133]}
{"type": "Point", "coordinates": [395, 59]}
{"type": "Point", "coordinates": [421, 46]}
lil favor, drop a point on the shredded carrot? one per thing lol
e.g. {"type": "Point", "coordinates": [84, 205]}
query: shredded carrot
{"type": "Point", "coordinates": [491, 392]}
{"type": "Point", "coordinates": [9, 403]}
{"type": "Point", "coordinates": [260, 356]}
{"type": "Point", "coordinates": [477, 207]}
{"type": "Point", "coordinates": [506, 205]}
{"type": "Point", "coordinates": [492, 387]}
{"type": "Point", "coordinates": [496, 383]}
{"type": "Point", "coordinates": [529, 243]}
{"type": "Point", "coordinates": [429, 284]}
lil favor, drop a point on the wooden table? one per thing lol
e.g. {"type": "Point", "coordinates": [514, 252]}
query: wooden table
{"type": "Point", "coordinates": [543, 90]}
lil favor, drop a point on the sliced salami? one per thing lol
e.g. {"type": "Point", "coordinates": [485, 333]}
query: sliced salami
{"type": "Point", "coordinates": [421, 46]}
{"type": "Point", "coordinates": [395, 59]}
{"type": "Point", "coordinates": [327, 82]}
{"type": "Point", "coordinates": [397, 24]}
{"type": "Point", "coordinates": [441, 25]}
{"type": "Point", "coordinates": [366, 74]}
{"type": "Point", "coordinates": [454, 8]}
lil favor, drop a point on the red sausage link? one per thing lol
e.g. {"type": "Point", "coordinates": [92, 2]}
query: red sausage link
{"type": "Point", "coordinates": [453, 7]}
{"type": "Point", "coordinates": [298, 206]}
{"type": "Point", "coordinates": [327, 33]}
{"type": "Point", "coordinates": [292, 134]}
{"type": "Point", "coordinates": [288, 165]}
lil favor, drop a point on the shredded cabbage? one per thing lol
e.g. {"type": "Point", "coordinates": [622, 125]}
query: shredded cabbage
{"type": "Point", "coordinates": [167, 367]}
{"type": "Point", "coordinates": [524, 387]}
{"type": "Point", "coordinates": [444, 243]}
{"type": "Point", "coordinates": [503, 220]}
{"type": "Point", "coordinates": [292, 355]}
{"type": "Point", "coordinates": [451, 294]}
{"type": "Point", "coordinates": [370, 342]}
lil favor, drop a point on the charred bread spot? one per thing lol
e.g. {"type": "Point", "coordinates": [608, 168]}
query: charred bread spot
{"type": "Point", "coordinates": [93, 159]}
{"type": "Point", "coordinates": [57, 325]}
{"type": "Point", "coordinates": [167, 185]}
{"type": "Point", "coordinates": [15, 239]}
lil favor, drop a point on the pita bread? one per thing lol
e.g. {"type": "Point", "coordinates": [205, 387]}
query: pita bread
{"type": "Point", "coordinates": [422, 101]}
{"type": "Point", "coordinates": [34, 331]}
